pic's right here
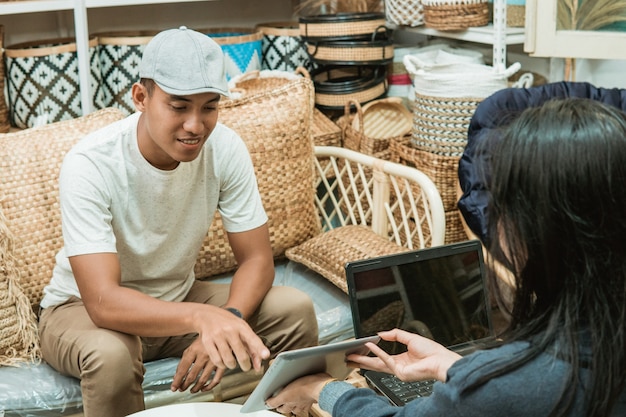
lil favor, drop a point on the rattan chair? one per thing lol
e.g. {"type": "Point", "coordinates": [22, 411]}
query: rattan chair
{"type": "Point", "coordinates": [396, 201]}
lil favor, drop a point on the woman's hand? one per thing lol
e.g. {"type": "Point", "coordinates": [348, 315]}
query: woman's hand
{"type": "Point", "coordinates": [424, 358]}
{"type": "Point", "coordinates": [299, 395]}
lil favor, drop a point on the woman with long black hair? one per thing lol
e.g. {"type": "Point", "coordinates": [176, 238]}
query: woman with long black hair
{"type": "Point", "coordinates": [557, 221]}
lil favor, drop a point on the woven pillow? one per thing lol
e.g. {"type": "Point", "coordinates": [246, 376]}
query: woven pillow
{"type": "Point", "coordinates": [275, 123]}
{"type": "Point", "coordinates": [30, 161]}
{"type": "Point", "coordinates": [328, 252]}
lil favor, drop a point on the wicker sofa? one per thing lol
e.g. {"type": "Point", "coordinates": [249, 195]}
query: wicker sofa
{"type": "Point", "coordinates": [326, 205]}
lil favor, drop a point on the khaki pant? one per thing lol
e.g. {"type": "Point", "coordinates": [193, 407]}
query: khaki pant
{"type": "Point", "coordinates": [110, 366]}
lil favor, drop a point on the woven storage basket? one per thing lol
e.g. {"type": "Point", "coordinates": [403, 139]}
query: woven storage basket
{"type": "Point", "coordinates": [442, 170]}
{"type": "Point", "coordinates": [336, 85]}
{"type": "Point", "coordinates": [43, 84]}
{"type": "Point", "coordinates": [242, 48]}
{"type": "Point", "coordinates": [325, 132]}
{"type": "Point", "coordinates": [455, 14]}
{"type": "Point", "coordinates": [340, 26]}
{"type": "Point", "coordinates": [515, 15]}
{"type": "Point", "coordinates": [378, 50]}
{"type": "Point", "coordinates": [405, 12]}
{"type": "Point", "coordinates": [4, 110]}
{"type": "Point", "coordinates": [120, 54]}
{"type": "Point", "coordinates": [283, 48]}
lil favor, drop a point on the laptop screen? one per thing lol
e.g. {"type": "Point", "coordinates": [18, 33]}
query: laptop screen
{"type": "Point", "coordinates": [437, 292]}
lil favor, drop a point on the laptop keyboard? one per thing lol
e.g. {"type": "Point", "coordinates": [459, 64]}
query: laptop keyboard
{"type": "Point", "coordinates": [407, 391]}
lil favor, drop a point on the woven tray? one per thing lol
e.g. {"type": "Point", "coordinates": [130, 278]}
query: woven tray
{"type": "Point", "coordinates": [384, 118]}
{"type": "Point", "coordinates": [456, 16]}
{"type": "Point", "coordinates": [325, 132]}
{"type": "Point", "coordinates": [340, 26]}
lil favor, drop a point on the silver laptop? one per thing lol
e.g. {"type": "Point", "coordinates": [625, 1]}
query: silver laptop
{"type": "Point", "coordinates": [440, 293]}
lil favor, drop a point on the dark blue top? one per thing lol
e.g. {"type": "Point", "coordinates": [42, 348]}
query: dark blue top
{"type": "Point", "coordinates": [531, 390]}
{"type": "Point", "coordinates": [497, 110]}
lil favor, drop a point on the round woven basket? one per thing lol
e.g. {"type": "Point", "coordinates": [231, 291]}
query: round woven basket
{"type": "Point", "coordinates": [283, 48]}
{"type": "Point", "coordinates": [336, 85]}
{"type": "Point", "coordinates": [340, 26]}
{"type": "Point", "coordinates": [455, 15]}
{"type": "Point", "coordinates": [440, 124]}
{"type": "Point", "coordinates": [377, 51]}
{"type": "Point", "coordinates": [42, 81]}
{"type": "Point", "coordinates": [120, 54]}
{"type": "Point", "coordinates": [242, 47]}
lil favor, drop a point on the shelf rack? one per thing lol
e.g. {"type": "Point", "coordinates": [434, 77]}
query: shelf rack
{"type": "Point", "coordinates": [496, 34]}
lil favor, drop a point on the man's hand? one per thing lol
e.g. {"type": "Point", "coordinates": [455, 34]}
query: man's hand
{"type": "Point", "coordinates": [196, 369]}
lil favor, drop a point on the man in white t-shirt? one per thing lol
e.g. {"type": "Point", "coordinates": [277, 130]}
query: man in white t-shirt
{"type": "Point", "coordinates": [137, 199]}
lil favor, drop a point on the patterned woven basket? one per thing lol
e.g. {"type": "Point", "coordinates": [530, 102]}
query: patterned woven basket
{"type": "Point", "coordinates": [242, 48]}
{"type": "Point", "coordinates": [455, 14]}
{"type": "Point", "coordinates": [440, 123]}
{"type": "Point", "coordinates": [43, 84]}
{"type": "Point", "coordinates": [340, 26]}
{"type": "Point", "coordinates": [283, 48]}
{"type": "Point", "coordinates": [120, 54]}
{"type": "Point", "coordinates": [4, 110]}
{"type": "Point", "coordinates": [405, 12]}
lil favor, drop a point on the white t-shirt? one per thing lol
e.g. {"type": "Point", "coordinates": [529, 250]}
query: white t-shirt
{"type": "Point", "coordinates": [113, 200]}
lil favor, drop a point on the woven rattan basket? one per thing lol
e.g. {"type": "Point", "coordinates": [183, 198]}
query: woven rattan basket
{"type": "Point", "coordinates": [242, 47]}
{"type": "Point", "coordinates": [405, 12]}
{"type": "Point", "coordinates": [283, 48]}
{"type": "Point", "coordinates": [442, 170]}
{"type": "Point", "coordinates": [120, 54]}
{"type": "Point", "coordinates": [336, 85]}
{"type": "Point", "coordinates": [340, 26]}
{"type": "Point", "coordinates": [376, 51]}
{"type": "Point", "coordinates": [455, 14]}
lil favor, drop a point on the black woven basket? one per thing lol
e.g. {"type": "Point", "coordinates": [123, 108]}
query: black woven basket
{"type": "Point", "coordinates": [335, 85]}
{"type": "Point", "coordinates": [377, 50]}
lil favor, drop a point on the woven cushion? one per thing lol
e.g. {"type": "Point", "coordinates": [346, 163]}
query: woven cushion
{"type": "Point", "coordinates": [275, 124]}
{"type": "Point", "coordinates": [30, 161]}
{"type": "Point", "coordinates": [328, 252]}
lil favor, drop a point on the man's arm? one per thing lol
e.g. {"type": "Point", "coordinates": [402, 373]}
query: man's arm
{"type": "Point", "coordinates": [255, 272]}
{"type": "Point", "coordinates": [126, 310]}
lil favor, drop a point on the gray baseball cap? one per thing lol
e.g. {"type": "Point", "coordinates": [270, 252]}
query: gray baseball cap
{"type": "Point", "coordinates": [184, 62]}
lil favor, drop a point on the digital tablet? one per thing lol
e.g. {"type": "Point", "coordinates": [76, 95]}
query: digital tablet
{"type": "Point", "coordinates": [292, 364]}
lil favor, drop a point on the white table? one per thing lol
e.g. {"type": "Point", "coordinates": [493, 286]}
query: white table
{"type": "Point", "coordinates": [208, 409]}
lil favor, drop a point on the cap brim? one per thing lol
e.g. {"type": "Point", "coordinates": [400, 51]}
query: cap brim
{"type": "Point", "coordinates": [176, 92]}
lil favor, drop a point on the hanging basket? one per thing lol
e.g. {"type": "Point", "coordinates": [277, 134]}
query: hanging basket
{"type": "Point", "coordinates": [455, 14]}
{"type": "Point", "coordinates": [43, 84]}
{"type": "Point", "coordinates": [120, 55]}
{"type": "Point", "coordinates": [340, 26]}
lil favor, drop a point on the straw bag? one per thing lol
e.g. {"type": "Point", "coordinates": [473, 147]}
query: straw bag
{"type": "Point", "coordinates": [455, 14]}
{"type": "Point", "coordinates": [43, 84]}
{"type": "Point", "coordinates": [405, 12]}
{"type": "Point", "coordinates": [120, 54]}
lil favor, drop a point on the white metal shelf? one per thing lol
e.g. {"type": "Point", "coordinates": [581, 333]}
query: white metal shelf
{"type": "Point", "coordinates": [482, 34]}
{"type": "Point", "coordinates": [34, 6]}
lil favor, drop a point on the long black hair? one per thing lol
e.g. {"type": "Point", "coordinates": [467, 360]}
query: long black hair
{"type": "Point", "coordinates": [557, 220]}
